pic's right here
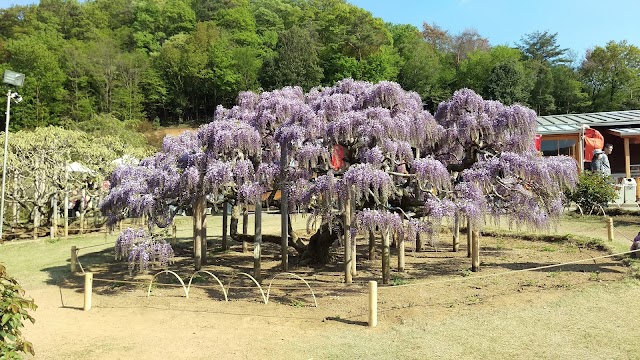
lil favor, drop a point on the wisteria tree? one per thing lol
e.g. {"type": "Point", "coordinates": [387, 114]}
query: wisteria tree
{"type": "Point", "coordinates": [397, 169]}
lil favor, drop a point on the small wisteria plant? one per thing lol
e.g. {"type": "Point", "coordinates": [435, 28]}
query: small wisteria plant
{"type": "Point", "coordinates": [142, 250]}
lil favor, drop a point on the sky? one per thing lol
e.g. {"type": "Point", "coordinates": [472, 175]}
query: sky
{"type": "Point", "coordinates": [580, 24]}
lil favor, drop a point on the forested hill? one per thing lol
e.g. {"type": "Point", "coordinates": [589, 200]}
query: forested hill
{"type": "Point", "coordinates": [174, 61]}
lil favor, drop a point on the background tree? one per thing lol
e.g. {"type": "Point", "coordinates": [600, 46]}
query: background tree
{"type": "Point", "coordinates": [543, 47]}
{"type": "Point", "coordinates": [610, 74]}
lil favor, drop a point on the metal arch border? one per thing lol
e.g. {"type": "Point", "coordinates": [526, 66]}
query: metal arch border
{"type": "Point", "coordinates": [224, 292]}
{"type": "Point", "coordinates": [186, 292]}
{"type": "Point", "coordinates": [296, 276]}
{"type": "Point", "coordinates": [254, 281]}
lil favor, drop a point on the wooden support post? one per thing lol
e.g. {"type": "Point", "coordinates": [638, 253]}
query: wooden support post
{"type": "Point", "coordinates": [373, 303]}
{"type": "Point", "coordinates": [475, 251]}
{"type": "Point", "coordinates": [74, 259]}
{"type": "Point", "coordinates": [469, 235]}
{"type": "Point", "coordinates": [372, 246]}
{"type": "Point", "coordinates": [257, 242]}
{"type": "Point", "coordinates": [52, 233]}
{"type": "Point", "coordinates": [456, 232]}
{"type": "Point", "coordinates": [401, 256]}
{"type": "Point", "coordinates": [245, 220]}
{"type": "Point", "coordinates": [284, 208]}
{"type": "Point", "coordinates": [418, 247]}
{"type": "Point", "coordinates": [225, 225]}
{"type": "Point", "coordinates": [55, 216]}
{"type": "Point", "coordinates": [66, 201]}
{"type": "Point", "coordinates": [627, 158]}
{"type": "Point", "coordinates": [610, 229]}
{"type": "Point", "coordinates": [174, 233]}
{"type": "Point", "coordinates": [386, 267]}
{"type": "Point", "coordinates": [83, 210]}
{"type": "Point", "coordinates": [88, 288]}
{"type": "Point", "coordinates": [348, 256]}
{"type": "Point", "coordinates": [354, 243]}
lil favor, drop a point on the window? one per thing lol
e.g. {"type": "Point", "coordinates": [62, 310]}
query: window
{"type": "Point", "coordinates": [558, 147]}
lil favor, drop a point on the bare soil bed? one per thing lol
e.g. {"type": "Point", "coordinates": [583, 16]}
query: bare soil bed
{"type": "Point", "coordinates": [437, 286]}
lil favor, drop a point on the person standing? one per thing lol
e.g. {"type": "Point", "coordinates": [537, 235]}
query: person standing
{"type": "Point", "coordinates": [600, 162]}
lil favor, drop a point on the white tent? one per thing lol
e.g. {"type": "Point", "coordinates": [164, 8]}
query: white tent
{"type": "Point", "coordinates": [77, 167]}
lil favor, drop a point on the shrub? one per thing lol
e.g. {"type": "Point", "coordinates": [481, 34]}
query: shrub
{"type": "Point", "coordinates": [13, 310]}
{"type": "Point", "coordinates": [593, 190]}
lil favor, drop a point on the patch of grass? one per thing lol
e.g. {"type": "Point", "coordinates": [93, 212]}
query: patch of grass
{"type": "Point", "coordinates": [553, 274]}
{"type": "Point", "coordinates": [297, 303]}
{"type": "Point", "coordinates": [566, 239]}
{"type": "Point", "coordinates": [396, 280]}
{"type": "Point", "coordinates": [549, 248]}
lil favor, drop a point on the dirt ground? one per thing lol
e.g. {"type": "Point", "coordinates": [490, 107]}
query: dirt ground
{"type": "Point", "coordinates": [437, 285]}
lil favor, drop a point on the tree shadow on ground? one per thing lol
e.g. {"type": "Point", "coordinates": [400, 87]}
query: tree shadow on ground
{"type": "Point", "coordinates": [112, 277]}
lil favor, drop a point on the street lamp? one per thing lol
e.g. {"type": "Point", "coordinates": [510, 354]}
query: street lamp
{"type": "Point", "coordinates": [16, 79]}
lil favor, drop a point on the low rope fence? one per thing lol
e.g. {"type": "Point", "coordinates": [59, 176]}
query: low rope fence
{"type": "Point", "coordinates": [373, 288]}
{"type": "Point", "coordinates": [373, 285]}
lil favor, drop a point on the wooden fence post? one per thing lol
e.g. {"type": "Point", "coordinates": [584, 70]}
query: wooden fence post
{"type": "Point", "coordinates": [373, 303]}
{"type": "Point", "coordinates": [88, 288]}
{"type": "Point", "coordinates": [610, 229]}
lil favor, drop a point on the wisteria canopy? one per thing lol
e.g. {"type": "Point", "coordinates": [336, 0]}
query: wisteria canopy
{"type": "Point", "coordinates": [406, 168]}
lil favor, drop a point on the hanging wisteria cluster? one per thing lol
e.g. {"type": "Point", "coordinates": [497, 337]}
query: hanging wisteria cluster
{"type": "Point", "coordinates": [475, 157]}
{"type": "Point", "coordinates": [142, 250]}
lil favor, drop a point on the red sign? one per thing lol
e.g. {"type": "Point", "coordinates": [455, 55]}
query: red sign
{"type": "Point", "coordinates": [337, 157]}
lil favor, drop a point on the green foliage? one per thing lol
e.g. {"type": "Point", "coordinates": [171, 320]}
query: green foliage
{"type": "Point", "coordinates": [593, 190]}
{"type": "Point", "coordinates": [610, 74]}
{"type": "Point", "coordinates": [506, 83]}
{"type": "Point", "coordinates": [14, 307]}
{"type": "Point", "coordinates": [543, 47]}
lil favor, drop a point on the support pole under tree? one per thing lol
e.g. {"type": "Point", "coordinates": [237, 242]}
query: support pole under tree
{"type": "Point", "coordinates": [456, 232]}
{"type": "Point", "coordinates": [257, 241]}
{"type": "Point", "coordinates": [372, 246]}
{"type": "Point", "coordinates": [354, 243]}
{"type": "Point", "coordinates": [373, 303]}
{"type": "Point", "coordinates": [55, 216]}
{"type": "Point", "coordinates": [174, 232]}
{"type": "Point", "coordinates": [198, 212]}
{"type": "Point", "coordinates": [74, 259]}
{"type": "Point", "coordinates": [225, 225]}
{"type": "Point", "coordinates": [610, 229]}
{"type": "Point", "coordinates": [245, 220]}
{"type": "Point", "coordinates": [475, 251]}
{"type": "Point", "coordinates": [386, 261]}
{"type": "Point", "coordinates": [284, 209]}
{"type": "Point", "coordinates": [83, 209]}
{"type": "Point", "coordinates": [88, 289]}
{"type": "Point", "coordinates": [401, 254]}
{"type": "Point", "coordinates": [469, 230]}
{"type": "Point", "coordinates": [348, 256]}
{"type": "Point", "coordinates": [66, 200]}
